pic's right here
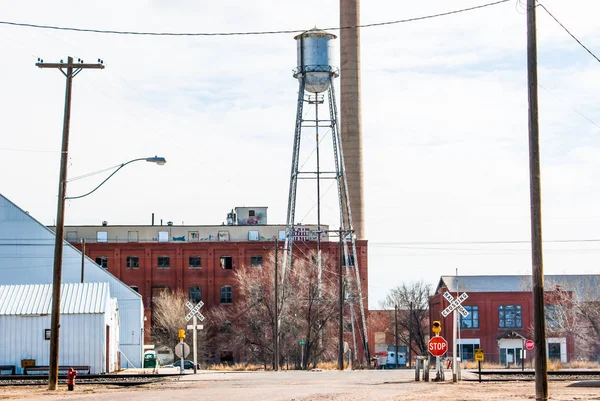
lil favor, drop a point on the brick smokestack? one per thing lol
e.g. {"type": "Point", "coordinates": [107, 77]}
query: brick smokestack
{"type": "Point", "coordinates": [351, 118]}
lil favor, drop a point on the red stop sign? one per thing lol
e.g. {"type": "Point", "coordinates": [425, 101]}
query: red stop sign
{"type": "Point", "coordinates": [529, 344]}
{"type": "Point", "coordinates": [437, 346]}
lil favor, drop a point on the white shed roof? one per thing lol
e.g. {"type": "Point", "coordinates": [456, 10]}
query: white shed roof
{"type": "Point", "coordinates": [36, 299]}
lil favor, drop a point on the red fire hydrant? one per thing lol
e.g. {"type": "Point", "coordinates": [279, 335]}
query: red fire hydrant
{"type": "Point", "coordinates": [71, 375]}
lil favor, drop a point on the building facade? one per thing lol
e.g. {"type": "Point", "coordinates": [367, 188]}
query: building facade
{"type": "Point", "coordinates": [89, 326]}
{"type": "Point", "coordinates": [200, 261]}
{"type": "Point", "coordinates": [27, 257]}
{"type": "Point", "coordinates": [500, 317]}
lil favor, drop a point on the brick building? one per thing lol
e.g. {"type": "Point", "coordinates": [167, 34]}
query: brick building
{"type": "Point", "coordinates": [198, 260]}
{"type": "Point", "coordinates": [500, 316]}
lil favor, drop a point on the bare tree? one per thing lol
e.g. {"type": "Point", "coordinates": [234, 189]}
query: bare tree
{"type": "Point", "coordinates": [306, 313]}
{"type": "Point", "coordinates": [412, 301]}
{"type": "Point", "coordinates": [168, 317]}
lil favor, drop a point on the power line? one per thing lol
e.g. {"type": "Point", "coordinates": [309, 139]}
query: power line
{"type": "Point", "coordinates": [559, 241]}
{"type": "Point", "coordinates": [566, 30]}
{"type": "Point", "coordinates": [287, 31]}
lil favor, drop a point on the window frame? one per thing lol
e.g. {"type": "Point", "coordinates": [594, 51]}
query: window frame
{"type": "Point", "coordinates": [515, 309]}
{"type": "Point", "coordinates": [223, 262]}
{"type": "Point", "coordinates": [253, 262]}
{"type": "Point", "coordinates": [164, 258]}
{"type": "Point", "coordinates": [103, 261]}
{"type": "Point", "coordinates": [470, 318]}
{"type": "Point", "coordinates": [196, 289]}
{"type": "Point", "coordinates": [225, 296]}
{"type": "Point", "coordinates": [194, 258]}
{"type": "Point", "coordinates": [132, 258]}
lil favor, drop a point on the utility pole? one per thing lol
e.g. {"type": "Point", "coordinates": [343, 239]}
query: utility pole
{"type": "Point", "coordinates": [82, 258]}
{"type": "Point", "coordinates": [537, 268]}
{"type": "Point", "coordinates": [276, 317]}
{"type": "Point", "coordinates": [396, 331]}
{"type": "Point", "coordinates": [341, 308]}
{"type": "Point", "coordinates": [72, 69]}
{"type": "Point", "coordinates": [410, 335]}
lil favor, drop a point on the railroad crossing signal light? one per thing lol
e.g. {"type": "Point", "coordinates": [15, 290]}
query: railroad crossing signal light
{"type": "Point", "coordinates": [181, 334]}
{"type": "Point", "coordinates": [436, 327]}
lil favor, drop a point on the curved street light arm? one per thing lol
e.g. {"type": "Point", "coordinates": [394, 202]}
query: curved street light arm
{"type": "Point", "coordinates": [158, 160]}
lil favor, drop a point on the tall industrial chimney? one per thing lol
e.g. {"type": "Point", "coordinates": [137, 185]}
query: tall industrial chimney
{"type": "Point", "coordinates": [351, 118]}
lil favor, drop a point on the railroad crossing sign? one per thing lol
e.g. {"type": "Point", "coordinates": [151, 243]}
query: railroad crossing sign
{"type": "Point", "coordinates": [437, 346]}
{"type": "Point", "coordinates": [194, 310]}
{"type": "Point", "coordinates": [455, 304]}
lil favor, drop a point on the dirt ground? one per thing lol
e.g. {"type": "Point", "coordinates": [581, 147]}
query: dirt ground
{"type": "Point", "coordinates": [305, 386]}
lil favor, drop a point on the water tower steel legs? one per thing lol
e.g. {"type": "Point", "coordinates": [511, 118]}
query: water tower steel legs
{"type": "Point", "coordinates": [343, 195]}
{"type": "Point", "coordinates": [291, 210]}
{"type": "Point", "coordinates": [346, 223]}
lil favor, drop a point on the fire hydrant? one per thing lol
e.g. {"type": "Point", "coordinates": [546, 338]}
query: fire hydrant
{"type": "Point", "coordinates": [71, 375]}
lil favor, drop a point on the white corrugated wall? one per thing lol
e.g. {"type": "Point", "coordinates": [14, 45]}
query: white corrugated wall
{"type": "Point", "coordinates": [26, 257]}
{"type": "Point", "coordinates": [82, 340]}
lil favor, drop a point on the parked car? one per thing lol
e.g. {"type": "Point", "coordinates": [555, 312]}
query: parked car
{"type": "Point", "coordinates": [186, 364]}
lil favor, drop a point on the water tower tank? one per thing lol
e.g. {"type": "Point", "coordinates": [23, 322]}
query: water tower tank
{"type": "Point", "coordinates": [316, 59]}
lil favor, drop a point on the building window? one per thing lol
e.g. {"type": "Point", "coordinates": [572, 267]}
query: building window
{"type": "Point", "coordinates": [102, 236]}
{"type": "Point", "coordinates": [196, 294]}
{"type": "Point", "coordinates": [251, 213]}
{"type": "Point", "coordinates": [509, 316]}
{"type": "Point", "coordinates": [135, 288]}
{"type": "Point", "coordinates": [467, 351]}
{"type": "Point", "coordinates": [226, 294]}
{"type": "Point", "coordinates": [226, 262]}
{"type": "Point", "coordinates": [195, 262]}
{"type": "Point", "coordinates": [472, 320]}
{"type": "Point", "coordinates": [133, 236]}
{"type": "Point", "coordinates": [281, 235]}
{"type": "Point", "coordinates": [163, 236]}
{"type": "Point", "coordinates": [256, 261]}
{"type": "Point", "coordinates": [253, 235]}
{"type": "Point", "coordinates": [164, 262]}
{"type": "Point", "coordinates": [102, 261]}
{"type": "Point", "coordinates": [133, 262]}
{"type": "Point", "coordinates": [555, 316]}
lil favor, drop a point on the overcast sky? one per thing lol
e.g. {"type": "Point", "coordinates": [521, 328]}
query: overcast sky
{"type": "Point", "coordinates": [444, 124]}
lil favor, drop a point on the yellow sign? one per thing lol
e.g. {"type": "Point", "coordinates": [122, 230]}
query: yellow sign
{"type": "Point", "coordinates": [436, 327]}
{"type": "Point", "coordinates": [181, 334]}
{"type": "Point", "coordinates": [478, 354]}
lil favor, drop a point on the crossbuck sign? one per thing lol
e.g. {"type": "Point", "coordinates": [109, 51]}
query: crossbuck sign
{"type": "Point", "coordinates": [455, 304]}
{"type": "Point", "coordinates": [194, 310]}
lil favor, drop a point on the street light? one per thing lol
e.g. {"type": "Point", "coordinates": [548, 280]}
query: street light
{"type": "Point", "coordinates": [58, 252]}
{"type": "Point", "coordinates": [156, 159]}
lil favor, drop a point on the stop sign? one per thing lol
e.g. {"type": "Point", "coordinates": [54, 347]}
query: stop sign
{"type": "Point", "coordinates": [529, 344]}
{"type": "Point", "coordinates": [437, 346]}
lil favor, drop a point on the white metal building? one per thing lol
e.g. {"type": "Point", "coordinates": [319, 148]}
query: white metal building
{"type": "Point", "coordinates": [26, 257]}
{"type": "Point", "coordinates": [89, 326]}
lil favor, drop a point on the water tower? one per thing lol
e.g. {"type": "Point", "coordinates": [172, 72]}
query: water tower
{"type": "Point", "coordinates": [315, 71]}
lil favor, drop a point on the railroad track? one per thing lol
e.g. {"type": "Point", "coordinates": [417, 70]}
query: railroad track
{"type": "Point", "coordinates": [107, 379]}
{"type": "Point", "coordinates": [529, 375]}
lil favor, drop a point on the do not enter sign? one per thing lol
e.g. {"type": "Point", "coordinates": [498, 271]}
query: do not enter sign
{"type": "Point", "coordinates": [529, 344]}
{"type": "Point", "coordinates": [437, 346]}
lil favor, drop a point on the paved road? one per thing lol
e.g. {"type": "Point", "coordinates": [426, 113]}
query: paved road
{"type": "Point", "coordinates": [306, 386]}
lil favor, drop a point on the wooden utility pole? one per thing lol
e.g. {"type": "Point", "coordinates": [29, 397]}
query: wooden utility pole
{"type": "Point", "coordinates": [341, 308]}
{"type": "Point", "coordinates": [276, 315]}
{"type": "Point", "coordinates": [410, 336]}
{"type": "Point", "coordinates": [69, 70]}
{"type": "Point", "coordinates": [82, 259]}
{"type": "Point", "coordinates": [396, 331]}
{"type": "Point", "coordinates": [537, 272]}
